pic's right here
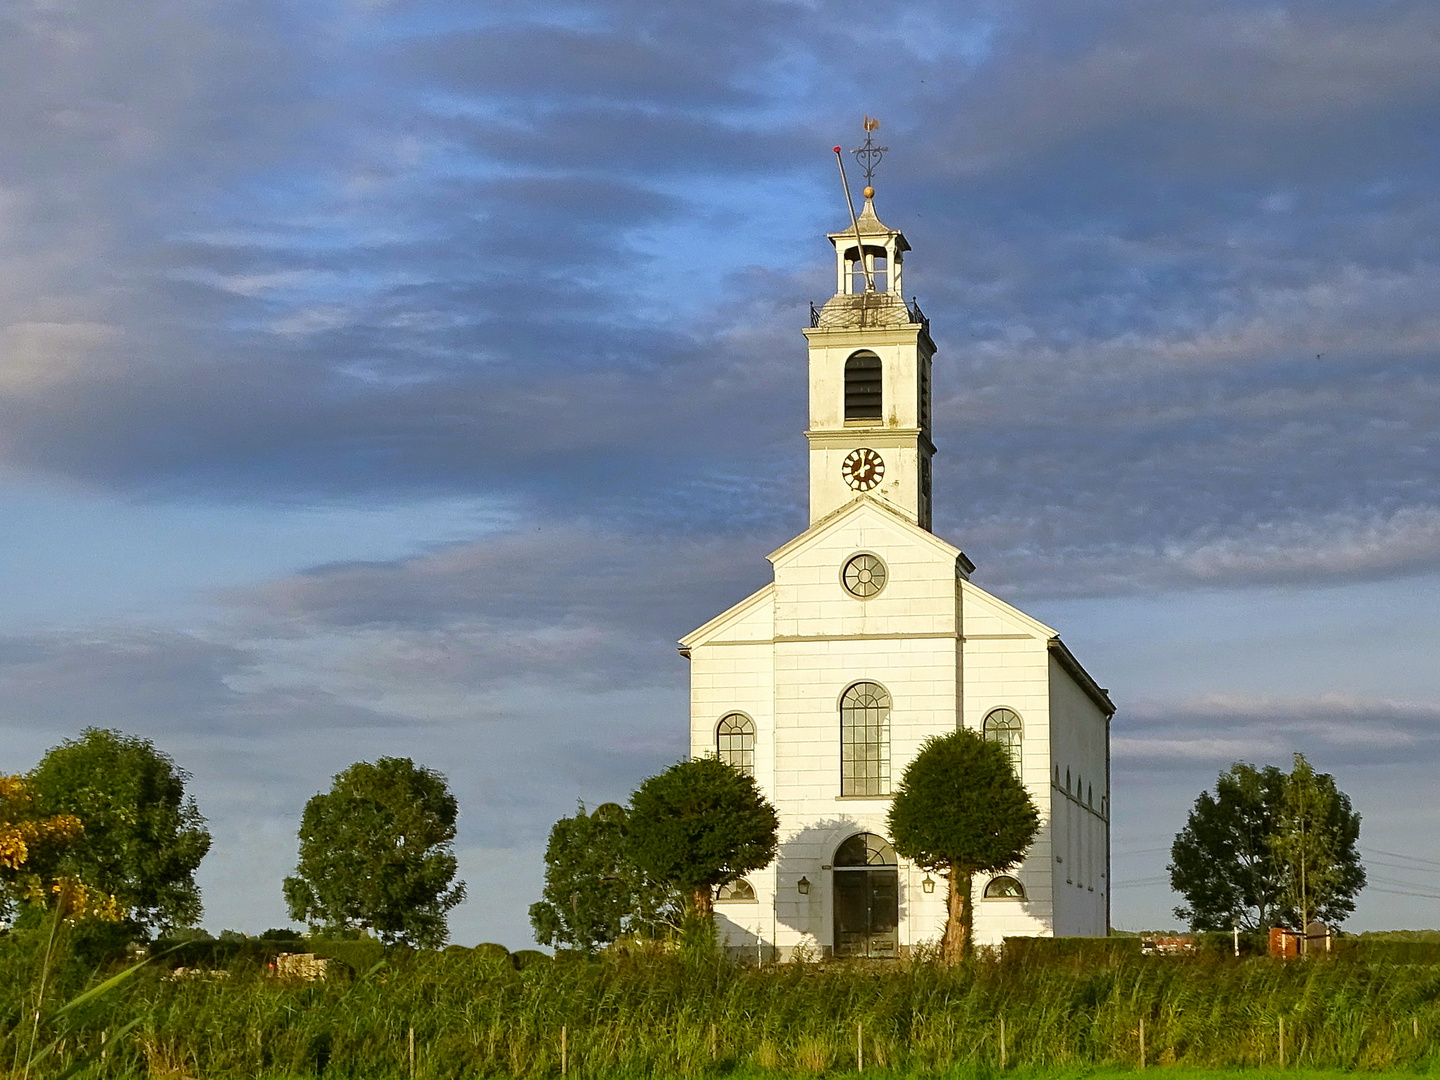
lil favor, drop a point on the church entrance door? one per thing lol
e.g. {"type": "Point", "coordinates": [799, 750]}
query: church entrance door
{"type": "Point", "coordinates": [867, 898]}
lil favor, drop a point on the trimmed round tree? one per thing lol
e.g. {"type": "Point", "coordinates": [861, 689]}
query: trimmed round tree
{"type": "Point", "coordinates": [960, 810]}
{"type": "Point", "coordinates": [699, 825]}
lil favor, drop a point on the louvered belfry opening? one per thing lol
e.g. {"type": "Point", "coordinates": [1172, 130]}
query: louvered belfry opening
{"type": "Point", "coordinates": [862, 387]}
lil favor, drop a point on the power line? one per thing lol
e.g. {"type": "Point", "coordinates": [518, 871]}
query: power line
{"type": "Point", "coordinates": [1398, 855]}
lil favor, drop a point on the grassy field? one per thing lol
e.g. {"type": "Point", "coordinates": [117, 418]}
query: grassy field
{"type": "Point", "coordinates": [464, 1013]}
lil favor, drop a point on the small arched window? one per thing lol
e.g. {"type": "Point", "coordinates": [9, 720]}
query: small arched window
{"type": "Point", "coordinates": [1067, 781]}
{"type": "Point", "coordinates": [735, 742]}
{"type": "Point", "coordinates": [1004, 887]}
{"type": "Point", "coordinates": [865, 740]}
{"type": "Point", "coordinates": [1090, 795]}
{"type": "Point", "coordinates": [1003, 726]}
{"type": "Point", "coordinates": [738, 891]}
{"type": "Point", "coordinates": [863, 399]}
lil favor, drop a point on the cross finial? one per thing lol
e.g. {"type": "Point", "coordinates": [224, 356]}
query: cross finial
{"type": "Point", "coordinates": [869, 155]}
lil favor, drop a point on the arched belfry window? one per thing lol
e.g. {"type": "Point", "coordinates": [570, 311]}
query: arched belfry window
{"type": "Point", "coordinates": [865, 740]}
{"type": "Point", "coordinates": [1003, 726]}
{"type": "Point", "coordinates": [875, 261]}
{"type": "Point", "coordinates": [735, 742]}
{"type": "Point", "coordinates": [863, 399]}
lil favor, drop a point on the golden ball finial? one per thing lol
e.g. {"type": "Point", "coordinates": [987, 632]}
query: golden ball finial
{"type": "Point", "coordinates": [869, 193]}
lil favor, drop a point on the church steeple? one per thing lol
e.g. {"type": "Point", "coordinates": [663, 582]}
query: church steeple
{"type": "Point", "coordinates": [870, 359]}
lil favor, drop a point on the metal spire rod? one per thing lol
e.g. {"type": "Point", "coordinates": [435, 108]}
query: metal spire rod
{"type": "Point", "coordinates": [855, 223]}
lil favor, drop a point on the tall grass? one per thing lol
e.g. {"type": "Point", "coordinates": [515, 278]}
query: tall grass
{"type": "Point", "coordinates": [660, 1015]}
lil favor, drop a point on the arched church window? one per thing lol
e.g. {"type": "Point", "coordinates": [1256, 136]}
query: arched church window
{"type": "Point", "coordinates": [862, 387]}
{"type": "Point", "coordinates": [1003, 726]}
{"type": "Point", "coordinates": [1004, 887]}
{"type": "Point", "coordinates": [865, 740]}
{"type": "Point", "coordinates": [1090, 795]}
{"type": "Point", "coordinates": [738, 891]}
{"type": "Point", "coordinates": [735, 742]}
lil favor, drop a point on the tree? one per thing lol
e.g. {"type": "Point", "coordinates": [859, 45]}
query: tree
{"type": "Point", "coordinates": [960, 810]}
{"type": "Point", "coordinates": [376, 854]}
{"type": "Point", "coordinates": [1316, 847]}
{"type": "Point", "coordinates": [30, 847]}
{"type": "Point", "coordinates": [1264, 840]}
{"type": "Point", "coordinates": [143, 837]}
{"type": "Point", "coordinates": [701, 824]}
{"type": "Point", "coordinates": [594, 892]}
{"type": "Point", "coordinates": [1221, 861]}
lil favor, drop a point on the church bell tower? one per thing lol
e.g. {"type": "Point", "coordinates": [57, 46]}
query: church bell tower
{"type": "Point", "coordinates": [870, 355]}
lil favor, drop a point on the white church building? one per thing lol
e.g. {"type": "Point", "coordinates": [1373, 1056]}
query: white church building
{"type": "Point", "coordinates": [871, 638]}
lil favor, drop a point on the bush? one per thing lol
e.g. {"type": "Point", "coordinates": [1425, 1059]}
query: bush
{"type": "Point", "coordinates": [1049, 950]}
{"type": "Point", "coordinates": [528, 958]}
{"type": "Point", "coordinates": [491, 951]}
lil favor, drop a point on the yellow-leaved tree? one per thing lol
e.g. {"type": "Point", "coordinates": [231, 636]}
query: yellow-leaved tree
{"type": "Point", "coordinates": [31, 844]}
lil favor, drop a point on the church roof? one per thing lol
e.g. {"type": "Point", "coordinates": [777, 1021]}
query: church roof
{"type": "Point", "coordinates": [870, 225]}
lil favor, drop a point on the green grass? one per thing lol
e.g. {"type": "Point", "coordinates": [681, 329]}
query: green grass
{"type": "Point", "coordinates": [656, 1015]}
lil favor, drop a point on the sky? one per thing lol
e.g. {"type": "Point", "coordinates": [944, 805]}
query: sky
{"type": "Point", "coordinates": [406, 377]}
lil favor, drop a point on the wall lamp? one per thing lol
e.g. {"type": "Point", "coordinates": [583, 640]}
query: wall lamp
{"type": "Point", "coordinates": [804, 886]}
{"type": "Point", "coordinates": [928, 884]}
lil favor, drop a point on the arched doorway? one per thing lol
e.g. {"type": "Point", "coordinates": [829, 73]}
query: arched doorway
{"type": "Point", "coordinates": [867, 897]}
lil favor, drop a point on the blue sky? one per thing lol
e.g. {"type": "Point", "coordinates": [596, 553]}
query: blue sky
{"type": "Point", "coordinates": [405, 378]}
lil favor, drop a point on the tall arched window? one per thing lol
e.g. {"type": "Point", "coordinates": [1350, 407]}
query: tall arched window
{"type": "Point", "coordinates": [862, 387]}
{"type": "Point", "coordinates": [1003, 726]}
{"type": "Point", "coordinates": [865, 740]}
{"type": "Point", "coordinates": [735, 742]}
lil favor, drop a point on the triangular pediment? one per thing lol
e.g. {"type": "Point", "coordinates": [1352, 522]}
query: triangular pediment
{"type": "Point", "coordinates": [980, 604]}
{"type": "Point", "coordinates": [875, 509]}
{"type": "Point", "coordinates": [756, 611]}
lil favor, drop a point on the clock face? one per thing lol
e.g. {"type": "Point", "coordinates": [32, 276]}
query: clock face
{"type": "Point", "coordinates": [862, 469]}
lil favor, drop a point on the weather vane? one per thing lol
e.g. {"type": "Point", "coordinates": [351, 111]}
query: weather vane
{"type": "Point", "coordinates": [869, 155]}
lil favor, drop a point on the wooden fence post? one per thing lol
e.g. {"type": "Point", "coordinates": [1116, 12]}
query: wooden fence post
{"type": "Point", "coordinates": [859, 1045]}
{"type": "Point", "coordinates": [1282, 1042]}
{"type": "Point", "coordinates": [412, 1051]}
{"type": "Point", "coordinates": [1002, 1042]}
{"type": "Point", "coordinates": [1142, 1042]}
{"type": "Point", "coordinates": [564, 1051]}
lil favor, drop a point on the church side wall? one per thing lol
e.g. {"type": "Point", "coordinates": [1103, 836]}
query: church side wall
{"type": "Point", "coordinates": [1004, 669]}
{"type": "Point", "coordinates": [738, 677]}
{"type": "Point", "coordinates": [1079, 741]}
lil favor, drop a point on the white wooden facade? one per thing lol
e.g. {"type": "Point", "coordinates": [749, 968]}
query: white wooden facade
{"type": "Point", "coordinates": [824, 685]}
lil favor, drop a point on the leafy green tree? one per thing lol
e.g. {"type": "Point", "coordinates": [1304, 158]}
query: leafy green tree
{"type": "Point", "coordinates": [1265, 839]}
{"type": "Point", "coordinates": [376, 854]}
{"type": "Point", "coordinates": [960, 810]}
{"type": "Point", "coordinates": [1316, 846]}
{"type": "Point", "coordinates": [1221, 862]}
{"type": "Point", "coordinates": [143, 837]}
{"type": "Point", "coordinates": [594, 892]}
{"type": "Point", "coordinates": [698, 825]}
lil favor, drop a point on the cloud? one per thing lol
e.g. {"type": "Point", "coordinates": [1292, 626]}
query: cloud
{"type": "Point", "coordinates": [1217, 729]}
